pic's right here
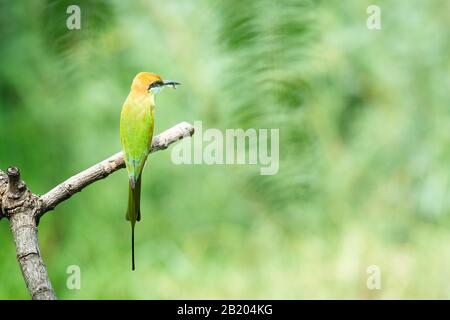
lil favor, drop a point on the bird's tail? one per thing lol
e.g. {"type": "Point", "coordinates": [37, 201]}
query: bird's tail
{"type": "Point", "coordinates": [134, 210]}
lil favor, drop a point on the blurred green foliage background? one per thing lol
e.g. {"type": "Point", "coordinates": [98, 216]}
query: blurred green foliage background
{"type": "Point", "coordinates": [364, 146]}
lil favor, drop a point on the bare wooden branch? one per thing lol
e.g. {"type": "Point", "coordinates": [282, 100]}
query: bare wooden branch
{"type": "Point", "coordinates": [24, 230]}
{"type": "Point", "coordinates": [23, 208]}
{"type": "Point", "coordinates": [3, 187]}
{"type": "Point", "coordinates": [20, 206]}
{"type": "Point", "coordinates": [103, 169]}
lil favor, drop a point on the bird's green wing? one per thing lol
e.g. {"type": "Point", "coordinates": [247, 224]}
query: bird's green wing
{"type": "Point", "coordinates": [136, 132]}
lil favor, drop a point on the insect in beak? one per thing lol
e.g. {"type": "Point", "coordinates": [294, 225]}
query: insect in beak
{"type": "Point", "coordinates": [170, 83]}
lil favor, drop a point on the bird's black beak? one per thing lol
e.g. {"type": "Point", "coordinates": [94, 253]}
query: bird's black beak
{"type": "Point", "coordinates": [170, 83]}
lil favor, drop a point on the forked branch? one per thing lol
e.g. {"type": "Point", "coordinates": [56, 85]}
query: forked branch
{"type": "Point", "coordinates": [24, 209]}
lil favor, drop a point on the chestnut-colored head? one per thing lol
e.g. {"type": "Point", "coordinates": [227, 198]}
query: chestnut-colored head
{"type": "Point", "coordinates": [150, 82]}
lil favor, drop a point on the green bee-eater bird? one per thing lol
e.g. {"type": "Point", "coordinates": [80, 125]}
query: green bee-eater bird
{"type": "Point", "coordinates": [136, 133]}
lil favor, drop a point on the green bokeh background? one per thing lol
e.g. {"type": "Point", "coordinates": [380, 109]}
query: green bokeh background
{"type": "Point", "coordinates": [364, 146]}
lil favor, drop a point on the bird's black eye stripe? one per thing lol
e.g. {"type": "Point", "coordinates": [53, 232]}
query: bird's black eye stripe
{"type": "Point", "coordinates": [155, 84]}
